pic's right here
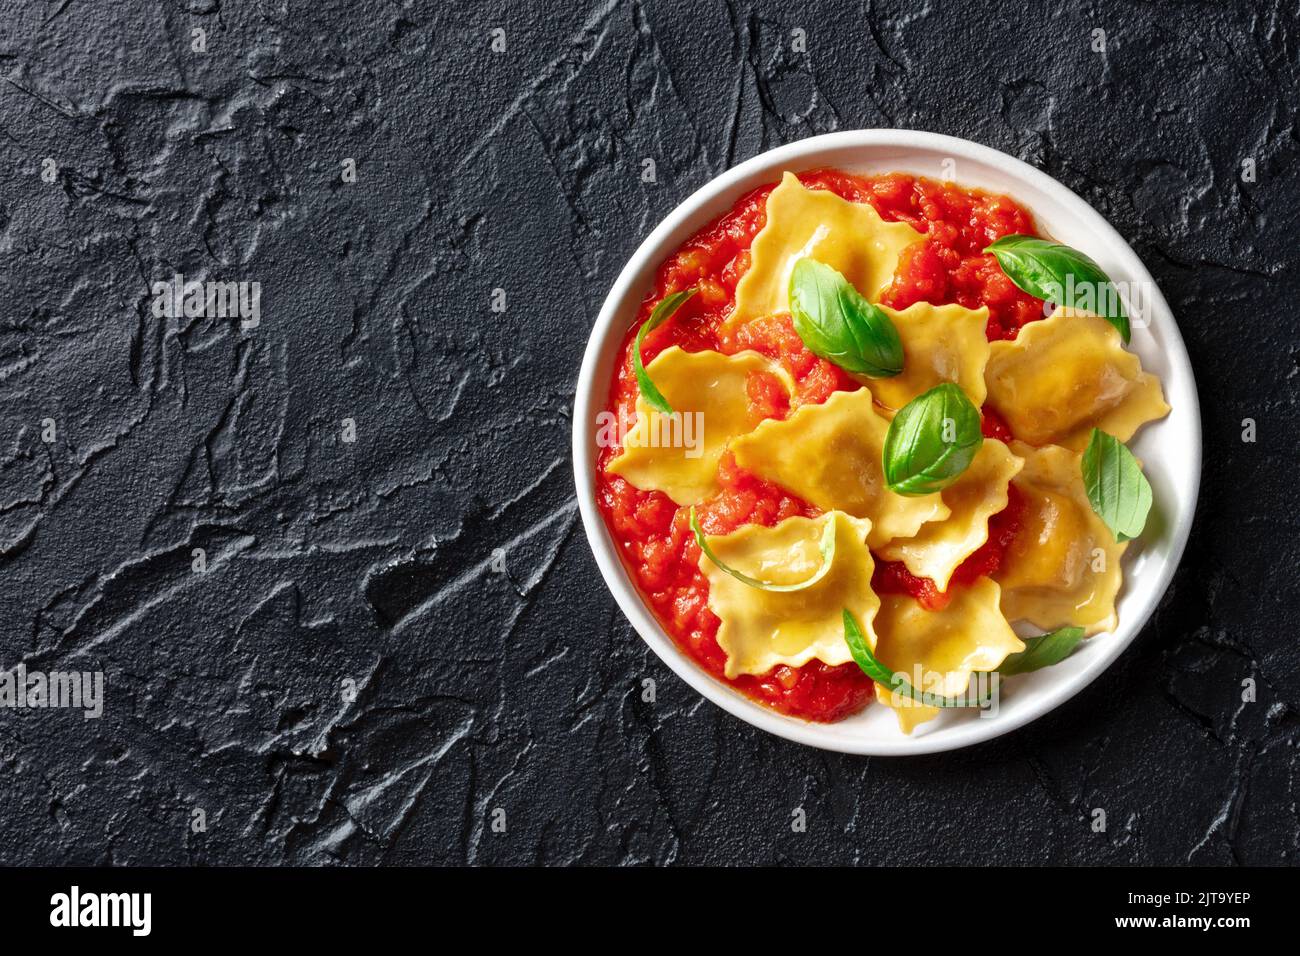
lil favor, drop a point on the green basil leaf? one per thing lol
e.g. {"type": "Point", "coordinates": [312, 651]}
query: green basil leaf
{"type": "Point", "coordinates": [1057, 273]}
{"type": "Point", "coordinates": [931, 441]}
{"type": "Point", "coordinates": [827, 548]}
{"type": "Point", "coordinates": [837, 323]}
{"type": "Point", "coordinates": [1117, 489]}
{"type": "Point", "coordinates": [1043, 651]}
{"type": "Point", "coordinates": [892, 680]}
{"type": "Point", "coordinates": [660, 314]}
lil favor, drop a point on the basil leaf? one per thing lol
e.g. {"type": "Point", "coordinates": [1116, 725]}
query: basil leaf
{"type": "Point", "coordinates": [827, 548]}
{"type": "Point", "coordinates": [1043, 651]}
{"type": "Point", "coordinates": [1117, 489]}
{"type": "Point", "coordinates": [660, 314]}
{"type": "Point", "coordinates": [892, 680]}
{"type": "Point", "coordinates": [837, 323]}
{"type": "Point", "coordinates": [1057, 273]}
{"type": "Point", "coordinates": [931, 441]}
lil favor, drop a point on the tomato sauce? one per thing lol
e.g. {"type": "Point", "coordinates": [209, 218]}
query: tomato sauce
{"type": "Point", "coordinates": [948, 265]}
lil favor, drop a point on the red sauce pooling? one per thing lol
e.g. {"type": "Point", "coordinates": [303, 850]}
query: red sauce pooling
{"type": "Point", "coordinates": [653, 533]}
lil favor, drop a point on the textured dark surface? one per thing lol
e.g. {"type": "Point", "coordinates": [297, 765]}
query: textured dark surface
{"type": "Point", "coordinates": [373, 561]}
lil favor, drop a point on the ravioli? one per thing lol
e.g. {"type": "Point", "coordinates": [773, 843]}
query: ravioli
{"type": "Point", "coordinates": [939, 547]}
{"type": "Point", "coordinates": [947, 646]}
{"type": "Point", "coordinates": [761, 629]}
{"type": "Point", "coordinates": [1065, 375]}
{"type": "Point", "coordinates": [1063, 567]}
{"type": "Point", "coordinates": [679, 454]}
{"type": "Point", "coordinates": [1059, 379]}
{"type": "Point", "coordinates": [941, 343]}
{"type": "Point", "coordinates": [848, 236]}
{"type": "Point", "coordinates": [830, 456]}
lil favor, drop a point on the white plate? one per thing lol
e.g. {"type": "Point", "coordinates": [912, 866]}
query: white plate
{"type": "Point", "coordinates": [1170, 449]}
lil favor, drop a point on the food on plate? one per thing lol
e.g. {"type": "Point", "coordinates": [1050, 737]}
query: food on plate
{"type": "Point", "coordinates": [865, 425]}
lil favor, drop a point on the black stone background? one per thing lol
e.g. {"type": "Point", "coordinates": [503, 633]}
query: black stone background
{"type": "Point", "coordinates": [371, 561]}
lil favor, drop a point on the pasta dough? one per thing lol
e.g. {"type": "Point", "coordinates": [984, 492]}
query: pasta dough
{"type": "Point", "coordinates": [941, 343]}
{"type": "Point", "coordinates": [829, 455]}
{"type": "Point", "coordinates": [679, 455]}
{"type": "Point", "coordinates": [1063, 567]}
{"type": "Point", "coordinates": [761, 629]}
{"type": "Point", "coordinates": [848, 236]}
{"type": "Point", "coordinates": [1065, 375]}
{"type": "Point", "coordinates": [981, 492]}
{"type": "Point", "coordinates": [937, 651]}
